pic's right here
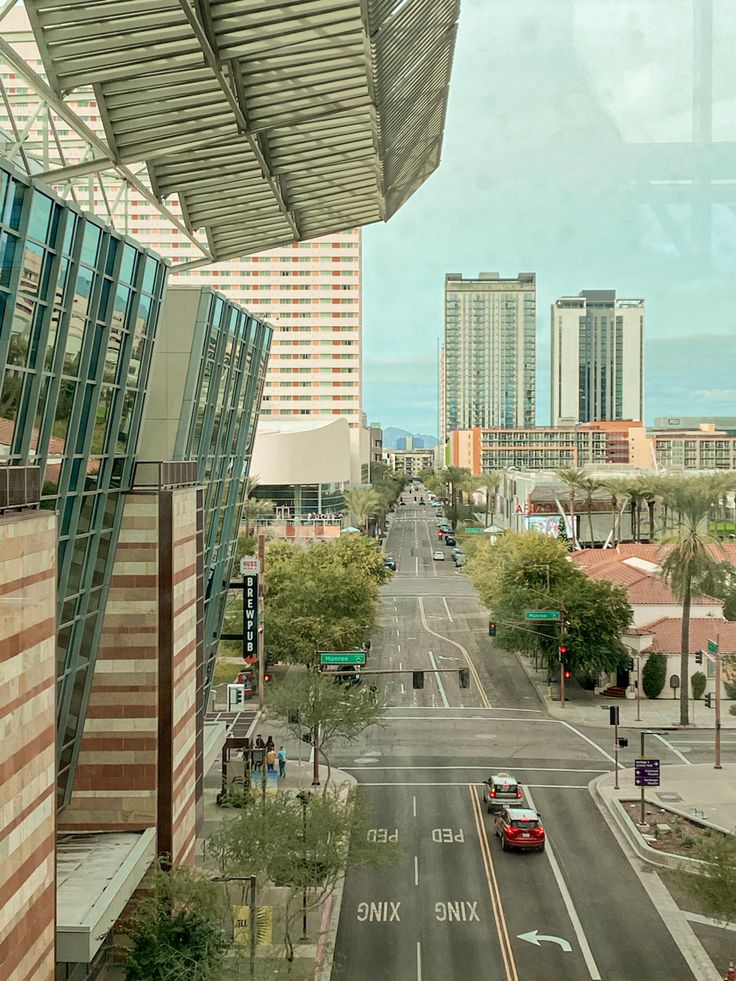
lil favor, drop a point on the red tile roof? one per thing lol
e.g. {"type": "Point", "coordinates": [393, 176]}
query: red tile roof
{"type": "Point", "coordinates": [667, 634]}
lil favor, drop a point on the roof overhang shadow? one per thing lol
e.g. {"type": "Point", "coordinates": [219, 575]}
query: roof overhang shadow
{"type": "Point", "coordinates": [272, 120]}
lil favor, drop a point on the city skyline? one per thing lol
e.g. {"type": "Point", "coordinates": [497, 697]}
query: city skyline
{"type": "Point", "coordinates": [576, 188]}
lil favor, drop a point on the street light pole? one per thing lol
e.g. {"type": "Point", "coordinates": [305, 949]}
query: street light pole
{"type": "Point", "coordinates": [303, 797]}
{"type": "Point", "coordinates": [717, 764]}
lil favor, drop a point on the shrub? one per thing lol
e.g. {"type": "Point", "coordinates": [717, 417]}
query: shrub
{"type": "Point", "coordinates": [732, 710]}
{"type": "Point", "coordinates": [730, 689]}
{"type": "Point", "coordinates": [653, 675]}
{"type": "Point", "coordinates": [698, 681]}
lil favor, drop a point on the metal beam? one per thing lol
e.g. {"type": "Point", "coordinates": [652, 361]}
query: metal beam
{"type": "Point", "coordinates": [60, 174]}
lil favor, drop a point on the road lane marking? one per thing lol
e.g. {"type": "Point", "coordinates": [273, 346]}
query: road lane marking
{"type": "Point", "coordinates": [419, 961]}
{"type": "Point", "coordinates": [669, 746]}
{"type": "Point", "coordinates": [570, 907]}
{"type": "Point", "coordinates": [443, 694]}
{"type": "Point", "coordinates": [461, 783]}
{"type": "Point", "coordinates": [534, 937]}
{"type": "Point", "coordinates": [414, 804]}
{"type": "Point", "coordinates": [590, 742]}
{"type": "Point", "coordinates": [471, 667]}
{"type": "Point", "coordinates": [493, 890]}
{"type": "Point", "coordinates": [416, 870]}
{"type": "Point", "coordinates": [449, 615]}
{"type": "Point", "coordinates": [486, 766]}
{"type": "Point", "coordinates": [402, 688]}
{"type": "Point", "coordinates": [498, 708]}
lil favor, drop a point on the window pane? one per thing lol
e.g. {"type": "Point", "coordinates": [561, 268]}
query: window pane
{"type": "Point", "coordinates": [63, 413]}
{"type": "Point", "coordinates": [14, 205]}
{"type": "Point", "coordinates": [38, 225]}
{"type": "Point", "coordinates": [7, 255]}
{"type": "Point", "coordinates": [10, 398]}
{"type": "Point", "coordinates": [20, 331]}
{"type": "Point", "coordinates": [91, 243]}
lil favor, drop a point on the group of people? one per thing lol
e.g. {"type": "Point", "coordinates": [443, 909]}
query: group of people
{"type": "Point", "coordinates": [268, 752]}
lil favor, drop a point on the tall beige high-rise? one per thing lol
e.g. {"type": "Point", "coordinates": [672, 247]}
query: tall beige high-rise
{"type": "Point", "coordinates": [597, 355]}
{"type": "Point", "coordinates": [490, 351]}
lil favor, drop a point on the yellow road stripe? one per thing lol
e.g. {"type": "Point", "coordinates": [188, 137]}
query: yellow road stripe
{"type": "Point", "coordinates": [471, 667]}
{"type": "Point", "coordinates": [493, 890]}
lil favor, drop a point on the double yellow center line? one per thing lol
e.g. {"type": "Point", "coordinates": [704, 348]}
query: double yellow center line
{"type": "Point", "coordinates": [501, 928]}
{"type": "Point", "coordinates": [471, 667]}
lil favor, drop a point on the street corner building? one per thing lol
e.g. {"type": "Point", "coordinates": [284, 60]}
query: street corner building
{"type": "Point", "coordinates": [127, 417]}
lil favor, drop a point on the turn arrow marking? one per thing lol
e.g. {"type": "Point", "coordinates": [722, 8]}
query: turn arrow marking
{"type": "Point", "coordinates": [534, 937]}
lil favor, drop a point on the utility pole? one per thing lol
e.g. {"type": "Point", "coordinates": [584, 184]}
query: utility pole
{"type": "Point", "coordinates": [563, 662]}
{"type": "Point", "coordinates": [717, 763]}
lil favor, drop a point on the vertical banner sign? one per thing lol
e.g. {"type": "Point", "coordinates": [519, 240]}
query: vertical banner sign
{"type": "Point", "coordinates": [249, 570]}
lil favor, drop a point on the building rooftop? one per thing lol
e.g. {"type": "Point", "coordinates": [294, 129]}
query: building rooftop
{"type": "Point", "coordinates": [666, 634]}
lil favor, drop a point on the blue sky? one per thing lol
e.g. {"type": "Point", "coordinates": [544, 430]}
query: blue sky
{"type": "Point", "coordinates": [568, 120]}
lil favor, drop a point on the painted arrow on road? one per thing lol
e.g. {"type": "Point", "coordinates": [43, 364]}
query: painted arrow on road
{"type": "Point", "coordinates": [534, 937]}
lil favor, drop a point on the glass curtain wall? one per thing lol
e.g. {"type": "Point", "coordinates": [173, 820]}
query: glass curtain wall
{"type": "Point", "coordinates": [227, 379]}
{"type": "Point", "coordinates": [79, 308]}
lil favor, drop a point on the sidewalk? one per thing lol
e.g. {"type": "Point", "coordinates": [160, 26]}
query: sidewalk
{"type": "Point", "coordinates": [584, 708]}
{"type": "Point", "coordinates": [312, 960]}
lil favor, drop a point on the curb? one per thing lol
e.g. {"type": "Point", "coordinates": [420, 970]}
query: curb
{"type": "Point", "coordinates": [333, 907]}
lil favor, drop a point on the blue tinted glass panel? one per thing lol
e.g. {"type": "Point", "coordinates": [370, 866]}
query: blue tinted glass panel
{"type": "Point", "coordinates": [38, 224]}
{"type": "Point", "coordinates": [7, 255]}
{"type": "Point", "coordinates": [91, 243]}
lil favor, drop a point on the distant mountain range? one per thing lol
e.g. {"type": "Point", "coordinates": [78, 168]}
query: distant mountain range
{"type": "Point", "coordinates": [420, 441]}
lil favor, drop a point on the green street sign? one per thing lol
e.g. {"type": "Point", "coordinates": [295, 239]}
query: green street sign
{"type": "Point", "coordinates": [342, 657]}
{"type": "Point", "coordinates": [542, 615]}
{"type": "Point", "coordinates": [474, 531]}
{"type": "Point", "coordinates": [712, 647]}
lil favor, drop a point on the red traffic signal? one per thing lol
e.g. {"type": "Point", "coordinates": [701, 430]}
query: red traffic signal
{"type": "Point", "coordinates": [568, 674]}
{"type": "Point", "coordinates": [562, 652]}
{"type": "Point", "coordinates": [267, 677]}
{"type": "Point", "coordinates": [491, 628]}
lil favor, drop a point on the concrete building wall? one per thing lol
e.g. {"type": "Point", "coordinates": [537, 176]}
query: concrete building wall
{"type": "Point", "coordinates": [116, 782]}
{"type": "Point", "coordinates": [27, 745]}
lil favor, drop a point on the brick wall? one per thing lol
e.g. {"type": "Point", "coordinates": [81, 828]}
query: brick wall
{"type": "Point", "coordinates": [115, 785]}
{"type": "Point", "coordinates": [27, 745]}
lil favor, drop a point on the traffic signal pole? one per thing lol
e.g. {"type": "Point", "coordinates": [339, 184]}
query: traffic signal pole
{"type": "Point", "coordinates": [717, 763]}
{"type": "Point", "coordinates": [563, 662]}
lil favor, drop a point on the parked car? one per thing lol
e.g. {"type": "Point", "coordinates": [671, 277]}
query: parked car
{"type": "Point", "coordinates": [519, 827]}
{"type": "Point", "coordinates": [439, 556]}
{"type": "Point", "coordinates": [402, 503]}
{"type": "Point", "coordinates": [449, 540]}
{"type": "Point", "coordinates": [499, 789]}
{"type": "Point", "coordinates": [389, 562]}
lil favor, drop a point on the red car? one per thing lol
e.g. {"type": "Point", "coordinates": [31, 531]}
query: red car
{"type": "Point", "coordinates": [519, 827]}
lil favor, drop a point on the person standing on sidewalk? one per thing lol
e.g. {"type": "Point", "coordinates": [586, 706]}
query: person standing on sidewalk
{"type": "Point", "coordinates": [282, 761]}
{"type": "Point", "coordinates": [271, 760]}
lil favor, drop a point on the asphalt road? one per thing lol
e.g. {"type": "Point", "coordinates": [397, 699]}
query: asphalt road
{"type": "Point", "coordinates": [449, 903]}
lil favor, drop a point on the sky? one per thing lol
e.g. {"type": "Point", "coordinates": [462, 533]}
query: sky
{"type": "Point", "coordinates": [581, 144]}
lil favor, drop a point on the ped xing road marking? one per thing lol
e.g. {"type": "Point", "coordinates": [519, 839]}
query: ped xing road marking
{"type": "Point", "coordinates": [382, 835]}
{"type": "Point", "coordinates": [462, 911]}
{"type": "Point", "coordinates": [534, 937]}
{"type": "Point", "coordinates": [448, 835]}
{"type": "Point", "coordinates": [567, 900]}
{"type": "Point", "coordinates": [504, 941]}
{"type": "Point", "coordinates": [471, 667]}
{"type": "Point", "coordinates": [495, 708]}
{"type": "Point", "coordinates": [378, 912]}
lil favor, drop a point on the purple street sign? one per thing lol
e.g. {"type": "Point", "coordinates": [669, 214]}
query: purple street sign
{"type": "Point", "coordinates": [646, 773]}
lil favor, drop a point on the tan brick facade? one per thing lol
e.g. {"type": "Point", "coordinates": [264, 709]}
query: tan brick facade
{"type": "Point", "coordinates": [27, 745]}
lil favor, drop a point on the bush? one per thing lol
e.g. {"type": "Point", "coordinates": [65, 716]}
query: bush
{"type": "Point", "coordinates": [698, 681]}
{"type": "Point", "coordinates": [653, 675]}
{"type": "Point", "coordinates": [730, 689]}
{"type": "Point", "coordinates": [732, 710]}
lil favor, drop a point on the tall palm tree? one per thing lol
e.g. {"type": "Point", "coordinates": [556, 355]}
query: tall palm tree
{"type": "Point", "coordinates": [572, 477]}
{"type": "Point", "coordinates": [589, 485]}
{"type": "Point", "coordinates": [689, 566]}
{"type": "Point", "coordinates": [363, 502]}
{"type": "Point", "coordinates": [489, 482]}
{"type": "Point", "coordinates": [618, 488]}
{"type": "Point", "coordinates": [251, 482]}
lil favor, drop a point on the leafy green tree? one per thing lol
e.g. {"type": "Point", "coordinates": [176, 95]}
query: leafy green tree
{"type": "Point", "coordinates": [363, 502]}
{"type": "Point", "coordinates": [654, 675]}
{"type": "Point", "coordinates": [689, 567]}
{"type": "Point", "coordinates": [330, 710]}
{"type": "Point", "coordinates": [317, 599]}
{"type": "Point", "coordinates": [364, 554]}
{"type": "Point", "coordinates": [523, 571]}
{"type": "Point", "coordinates": [176, 929]}
{"type": "Point", "coordinates": [452, 480]}
{"type": "Point", "coordinates": [562, 535]}
{"type": "Point", "coordinates": [303, 843]}
{"type": "Point", "coordinates": [698, 683]}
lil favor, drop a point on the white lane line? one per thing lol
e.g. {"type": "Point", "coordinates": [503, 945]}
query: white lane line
{"type": "Point", "coordinates": [487, 766]}
{"type": "Point", "coordinates": [402, 688]}
{"type": "Point", "coordinates": [571, 911]}
{"type": "Point", "coordinates": [501, 708]}
{"type": "Point", "coordinates": [588, 740]}
{"type": "Point", "coordinates": [677, 752]}
{"type": "Point", "coordinates": [414, 804]}
{"type": "Point", "coordinates": [419, 961]}
{"type": "Point", "coordinates": [463, 783]}
{"type": "Point", "coordinates": [398, 648]}
{"type": "Point", "coordinates": [400, 667]}
{"type": "Point", "coordinates": [465, 718]}
{"type": "Point", "coordinates": [416, 870]}
{"type": "Point", "coordinates": [417, 562]}
{"type": "Point", "coordinates": [443, 694]}
{"type": "Point", "coordinates": [449, 615]}
{"type": "Point", "coordinates": [397, 632]}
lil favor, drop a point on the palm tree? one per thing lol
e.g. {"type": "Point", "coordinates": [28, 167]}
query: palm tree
{"type": "Point", "coordinates": [363, 502]}
{"type": "Point", "coordinates": [589, 485]}
{"type": "Point", "coordinates": [251, 482]}
{"type": "Point", "coordinates": [618, 488]}
{"type": "Point", "coordinates": [257, 508]}
{"type": "Point", "coordinates": [572, 477]}
{"type": "Point", "coordinates": [489, 482]}
{"type": "Point", "coordinates": [689, 566]}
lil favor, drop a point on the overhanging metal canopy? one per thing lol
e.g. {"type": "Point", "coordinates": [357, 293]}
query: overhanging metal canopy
{"type": "Point", "coordinates": [272, 120]}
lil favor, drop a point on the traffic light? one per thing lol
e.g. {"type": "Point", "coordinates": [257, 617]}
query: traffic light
{"type": "Point", "coordinates": [562, 652]}
{"type": "Point", "coordinates": [491, 628]}
{"type": "Point", "coordinates": [631, 664]}
{"type": "Point", "coordinates": [417, 679]}
{"type": "Point", "coordinates": [623, 742]}
{"type": "Point", "coordinates": [613, 715]}
{"type": "Point", "coordinates": [568, 674]}
{"type": "Point", "coordinates": [266, 677]}
{"type": "Point", "coordinates": [698, 657]}
{"type": "Point", "coordinates": [464, 678]}
{"type": "Point", "coordinates": [709, 700]}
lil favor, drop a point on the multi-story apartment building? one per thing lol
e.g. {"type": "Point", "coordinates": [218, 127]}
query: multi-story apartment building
{"type": "Point", "coordinates": [549, 448]}
{"type": "Point", "coordinates": [702, 448]}
{"type": "Point", "coordinates": [725, 424]}
{"type": "Point", "coordinates": [411, 462]}
{"type": "Point", "coordinates": [597, 357]}
{"type": "Point", "coordinates": [489, 359]}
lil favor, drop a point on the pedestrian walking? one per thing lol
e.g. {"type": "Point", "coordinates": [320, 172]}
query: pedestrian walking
{"type": "Point", "coordinates": [271, 760]}
{"type": "Point", "coordinates": [282, 761]}
{"type": "Point", "coordinates": [260, 748]}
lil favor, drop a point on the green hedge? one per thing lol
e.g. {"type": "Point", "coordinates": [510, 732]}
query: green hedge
{"type": "Point", "coordinates": [654, 675]}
